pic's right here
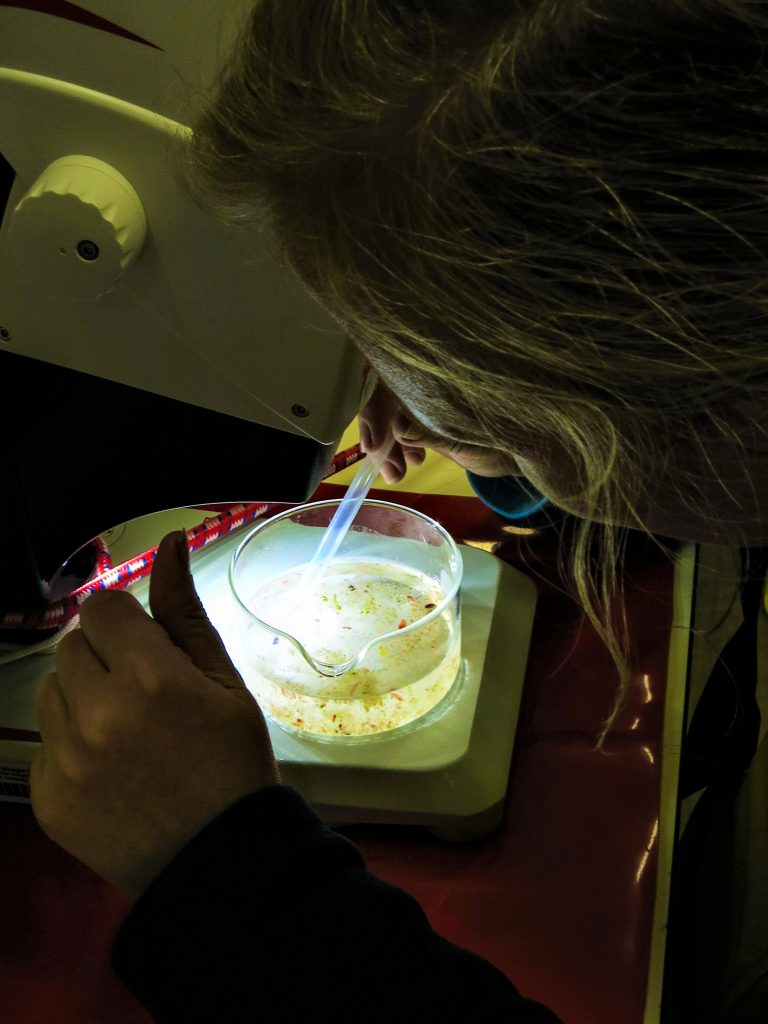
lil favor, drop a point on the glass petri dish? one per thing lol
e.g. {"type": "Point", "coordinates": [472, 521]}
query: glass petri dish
{"type": "Point", "coordinates": [371, 647]}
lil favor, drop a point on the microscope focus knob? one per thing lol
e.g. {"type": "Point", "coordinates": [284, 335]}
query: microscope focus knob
{"type": "Point", "coordinates": [78, 229]}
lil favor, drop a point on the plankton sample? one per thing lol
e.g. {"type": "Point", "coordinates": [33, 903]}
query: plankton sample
{"type": "Point", "coordinates": [398, 679]}
{"type": "Point", "coordinates": [373, 644]}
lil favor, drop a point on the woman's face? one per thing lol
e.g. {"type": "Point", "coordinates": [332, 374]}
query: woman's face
{"type": "Point", "coordinates": [715, 515]}
{"type": "Point", "coordinates": [708, 513]}
{"type": "Point", "coordinates": [423, 423]}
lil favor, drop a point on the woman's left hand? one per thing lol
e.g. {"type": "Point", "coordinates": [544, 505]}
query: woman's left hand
{"type": "Point", "coordinates": [148, 731]}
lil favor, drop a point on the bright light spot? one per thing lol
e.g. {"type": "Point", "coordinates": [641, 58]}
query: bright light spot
{"type": "Point", "coordinates": [483, 545]}
{"type": "Point", "coordinates": [647, 851]}
{"type": "Point", "coordinates": [647, 685]}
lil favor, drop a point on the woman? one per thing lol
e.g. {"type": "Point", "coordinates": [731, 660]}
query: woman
{"type": "Point", "coordinates": [544, 224]}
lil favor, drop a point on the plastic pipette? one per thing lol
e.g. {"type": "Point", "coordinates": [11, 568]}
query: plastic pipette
{"type": "Point", "coordinates": [348, 508]}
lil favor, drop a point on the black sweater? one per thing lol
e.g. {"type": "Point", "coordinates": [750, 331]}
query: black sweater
{"type": "Point", "coordinates": [268, 915]}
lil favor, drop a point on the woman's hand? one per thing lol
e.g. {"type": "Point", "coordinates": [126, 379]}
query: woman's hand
{"type": "Point", "coordinates": [148, 731]}
{"type": "Point", "coordinates": [384, 412]}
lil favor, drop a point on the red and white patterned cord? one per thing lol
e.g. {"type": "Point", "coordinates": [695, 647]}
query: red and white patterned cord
{"type": "Point", "coordinates": [118, 577]}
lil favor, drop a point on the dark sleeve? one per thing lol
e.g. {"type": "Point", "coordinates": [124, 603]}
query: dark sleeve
{"type": "Point", "coordinates": [268, 915]}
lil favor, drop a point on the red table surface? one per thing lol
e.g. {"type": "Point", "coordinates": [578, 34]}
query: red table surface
{"type": "Point", "coordinates": [560, 897]}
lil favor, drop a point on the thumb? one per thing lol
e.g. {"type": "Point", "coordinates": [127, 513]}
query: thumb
{"type": "Point", "coordinates": [175, 606]}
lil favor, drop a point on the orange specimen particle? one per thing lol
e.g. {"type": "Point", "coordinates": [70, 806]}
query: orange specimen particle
{"type": "Point", "coordinates": [402, 624]}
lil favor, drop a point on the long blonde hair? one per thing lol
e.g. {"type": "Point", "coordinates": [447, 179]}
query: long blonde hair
{"type": "Point", "coordinates": [551, 214]}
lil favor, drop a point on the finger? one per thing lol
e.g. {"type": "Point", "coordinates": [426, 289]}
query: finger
{"type": "Point", "coordinates": [391, 474]}
{"type": "Point", "coordinates": [413, 456]}
{"type": "Point", "coordinates": [177, 608]}
{"type": "Point", "coordinates": [474, 458]}
{"type": "Point", "coordinates": [114, 623]}
{"type": "Point", "coordinates": [366, 438]}
{"type": "Point", "coordinates": [60, 751]}
{"type": "Point", "coordinates": [373, 434]}
{"type": "Point", "coordinates": [375, 418]}
{"type": "Point", "coordinates": [408, 432]}
{"type": "Point", "coordinates": [41, 789]}
{"type": "Point", "coordinates": [51, 710]}
{"type": "Point", "coordinates": [80, 673]}
{"type": "Point", "coordinates": [74, 654]}
{"type": "Point", "coordinates": [394, 468]}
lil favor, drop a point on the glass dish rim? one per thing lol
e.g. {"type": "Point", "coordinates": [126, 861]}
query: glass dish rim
{"type": "Point", "coordinates": [342, 669]}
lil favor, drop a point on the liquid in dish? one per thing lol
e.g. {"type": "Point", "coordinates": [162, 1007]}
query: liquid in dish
{"type": "Point", "coordinates": [398, 680]}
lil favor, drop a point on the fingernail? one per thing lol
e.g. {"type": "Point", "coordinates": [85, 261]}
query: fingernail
{"type": "Point", "coordinates": [414, 458]}
{"type": "Point", "coordinates": [366, 441]}
{"type": "Point", "coordinates": [390, 473]}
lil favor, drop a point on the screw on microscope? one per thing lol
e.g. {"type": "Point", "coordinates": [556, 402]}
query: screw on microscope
{"type": "Point", "coordinates": [87, 250]}
{"type": "Point", "coordinates": [300, 410]}
{"type": "Point", "coordinates": [5, 334]}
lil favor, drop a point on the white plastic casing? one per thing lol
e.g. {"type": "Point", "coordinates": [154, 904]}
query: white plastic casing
{"type": "Point", "coordinates": [94, 111]}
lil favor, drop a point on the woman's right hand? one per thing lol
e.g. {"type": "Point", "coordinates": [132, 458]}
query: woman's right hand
{"type": "Point", "coordinates": [384, 412]}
